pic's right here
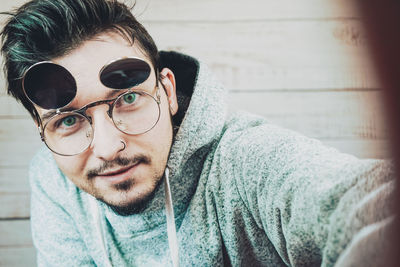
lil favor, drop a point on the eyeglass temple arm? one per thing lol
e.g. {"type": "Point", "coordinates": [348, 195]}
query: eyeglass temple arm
{"type": "Point", "coordinates": [39, 123]}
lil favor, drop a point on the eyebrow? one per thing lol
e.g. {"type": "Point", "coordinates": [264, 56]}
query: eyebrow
{"type": "Point", "coordinates": [53, 112]}
{"type": "Point", "coordinates": [110, 95]}
{"type": "Point", "coordinates": [48, 115]}
{"type": "Point", "coordinates": [114, 92]}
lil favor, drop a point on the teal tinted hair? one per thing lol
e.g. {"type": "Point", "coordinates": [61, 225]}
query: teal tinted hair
{"type": "Point", "coordinates": [44, 29]}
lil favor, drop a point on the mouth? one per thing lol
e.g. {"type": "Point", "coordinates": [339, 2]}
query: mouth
{"type": "Point", "coordinates": [119, 175]}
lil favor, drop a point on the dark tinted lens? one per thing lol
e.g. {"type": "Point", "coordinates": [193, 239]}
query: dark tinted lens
{"type": "Point", "coordinates": [49, 85]}
{"type": "Point", "coordinates": [125, 73]}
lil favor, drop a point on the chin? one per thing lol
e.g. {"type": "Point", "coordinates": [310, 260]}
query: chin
{"type": "Point", "coordinates": [129, 198]}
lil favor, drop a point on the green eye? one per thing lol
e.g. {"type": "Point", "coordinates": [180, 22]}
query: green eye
{"type": "Point", "coordinates": [69, 121]}
{"type": "Point", "coordinates": [130, 98]}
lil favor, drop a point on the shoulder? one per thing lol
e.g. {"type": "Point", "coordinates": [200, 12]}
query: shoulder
{"type": "Point", "coordinates": [256, 155]}
{"type": "Point", "coordinates": [47, 179]}
{"type": "Point", "coordinates": [250, 138]}
{"type": "Point", "coordinates": [42, 163]}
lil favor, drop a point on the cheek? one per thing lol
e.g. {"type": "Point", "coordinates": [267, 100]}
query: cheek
{"type": "Point", "coordinates": [164, 125]}
{"type": "Point", "coordinates": [71, 166]}
{"type": "Point", "coordinates": [158, 140]}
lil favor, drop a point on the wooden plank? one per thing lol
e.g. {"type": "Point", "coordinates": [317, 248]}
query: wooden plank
{"type": "Point", "coordinates": [19, 153]}
{"type": "Point", "coordinates": [334, 115]}
{"type": "Point", "coordinates": [15, 127]}
{"type": "Point", "coordinates": [14, 205]}
{"type": "Point", "coordinates": [15, 233]}
{"type": "Point", "coordinates": [9, 107]}
{"type": "Point", "coordinates": [318, 114]}
{"type": "Point", "coordinates": [322, 115]}
{"type": "Point", "coordinates": [18, 257]}
{"type": "Point", "coordinates": [20, 138]}
{"type": "Point", "coordinates": [217, 20]}
{"type": "Point", "coordinates": [275, 55]}
{"type": "Point", "coordinates": [362, 148]}
{"type": "Point", "coordinates": [16, 247]}
{"type": "Point", "coordinates": [14, 180]}
{"type": "Point", "coordinates": [225, 10]}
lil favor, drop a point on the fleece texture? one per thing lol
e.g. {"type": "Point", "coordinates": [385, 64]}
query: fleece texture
{"type": "Point", "coordinates": [245, 193]}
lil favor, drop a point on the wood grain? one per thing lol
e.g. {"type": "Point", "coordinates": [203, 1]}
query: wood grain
{"type": "Point", "coordinates": [329, 114]}
{"type": "Point", "coordinates": [20, 139]}
{"type": "Point", "coordinates": [380, 149]}
{"type": "Point", "coordinates": [17, 257]}
{"type": "Point", "coordinates": [225, 10]}
{"type": "Point", "coordinates": [16, 248]}
{"type": "Point", "coordinates": [275, 55]}
{"type": "Point", "coordinates": [322, 115]}
{"type": "Point", "coordinates": [14, 205]}
{"type": "Point", "coordinates": [16, 233]}
{"type": "Point", "coordinates": [302, 64]}
{"type": "Point", "coordinates": [14, 180]}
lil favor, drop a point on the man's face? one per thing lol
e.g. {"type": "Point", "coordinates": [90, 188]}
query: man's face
{"type": "Point", "coordinates": [122, 178]}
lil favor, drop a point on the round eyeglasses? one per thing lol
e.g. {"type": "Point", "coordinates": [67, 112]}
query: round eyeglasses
{"type": "Point", "coordinates": [69, 133]}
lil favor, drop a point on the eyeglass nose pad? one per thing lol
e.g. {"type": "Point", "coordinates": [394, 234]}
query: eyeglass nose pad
{"type": "Point", "coordinates": [109, 111]}
{"type": "Point", "coordinates": [89, 118]}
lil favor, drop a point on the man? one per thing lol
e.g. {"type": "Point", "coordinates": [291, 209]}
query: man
{"type": "Point", "coordinates": [126, 127]}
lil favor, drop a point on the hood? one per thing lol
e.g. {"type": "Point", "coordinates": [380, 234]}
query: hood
{"type": "Point", "coordinates": [200, 118]}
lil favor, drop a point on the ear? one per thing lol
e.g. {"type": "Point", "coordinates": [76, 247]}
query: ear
{"type": "Point", "coordinates": [168, 82]}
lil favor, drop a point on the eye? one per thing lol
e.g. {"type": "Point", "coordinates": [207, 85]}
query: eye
{"type": "Point", "coordinates": [66, 124]}
{"type": "Point", "coordinates": [129, 98]}
{"type": "Point", "coordinates": [69, 121]}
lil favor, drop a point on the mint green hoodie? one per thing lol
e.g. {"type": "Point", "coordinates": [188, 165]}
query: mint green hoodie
{"type": "Point", "coordinates": [245, 193]}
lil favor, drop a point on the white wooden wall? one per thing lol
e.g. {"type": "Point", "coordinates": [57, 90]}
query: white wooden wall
{"type": "Point", "coordinates": [301, 63]}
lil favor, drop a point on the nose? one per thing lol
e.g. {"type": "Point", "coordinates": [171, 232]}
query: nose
{"type": "Point", "coordinates": [108, 141]}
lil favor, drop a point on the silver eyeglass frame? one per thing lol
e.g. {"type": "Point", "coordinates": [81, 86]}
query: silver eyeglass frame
{"type": "Point", "coordinates": [82, 111]}
{"type": "Point", "coordinates": [111, 104]}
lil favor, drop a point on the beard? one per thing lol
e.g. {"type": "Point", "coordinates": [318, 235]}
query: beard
{"type": "Point", "coordinates": [141, 202]}
{"type": "Point", "coordinates": [137, 206]}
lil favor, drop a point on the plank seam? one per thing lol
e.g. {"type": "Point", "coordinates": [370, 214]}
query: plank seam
{"type": "Point", "coordinates": [305, 90]}
{"type": "Point", "coordinates": [267, 20]}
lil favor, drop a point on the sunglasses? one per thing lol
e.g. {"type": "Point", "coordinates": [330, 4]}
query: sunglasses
{"type": "Point", "coordinates": [51, 86]}
{"type": "Point", "coordinates": [67, 133]}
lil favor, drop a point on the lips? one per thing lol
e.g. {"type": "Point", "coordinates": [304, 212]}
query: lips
{"type": "Point", "coordinates": [119, 175]}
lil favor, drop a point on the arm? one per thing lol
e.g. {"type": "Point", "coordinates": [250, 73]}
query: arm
{"type": "Point", "coordinates": [57, 241]}
{"type": "Point", "coordinates": [309, 199]}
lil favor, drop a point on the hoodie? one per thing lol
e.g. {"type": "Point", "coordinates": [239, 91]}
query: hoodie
{"type": "Point", "coordinates": [245, 193]}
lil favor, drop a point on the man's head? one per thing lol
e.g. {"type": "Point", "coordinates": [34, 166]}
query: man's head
{"type": "Point", "coordinates": [83, 36]}
{"type": "Point", "coordinates": [42, 30]}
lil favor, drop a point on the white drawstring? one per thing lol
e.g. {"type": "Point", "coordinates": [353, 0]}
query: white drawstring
{"type": "Point", "coordinates": [171, 228]}
{"type": "Point", "coordinates": [95, 210]}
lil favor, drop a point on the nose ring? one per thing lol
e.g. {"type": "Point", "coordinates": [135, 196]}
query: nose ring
{"type": "Point", "coordinates": [124, 145]}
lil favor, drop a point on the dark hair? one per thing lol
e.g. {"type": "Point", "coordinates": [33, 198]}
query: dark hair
{"type": "Point", "coordinates": [44, 29]}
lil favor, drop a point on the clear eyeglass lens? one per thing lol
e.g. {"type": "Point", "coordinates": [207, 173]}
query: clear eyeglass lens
{"type": "Point", "coordinates": [71, 133]}
{"type": "Point", "coordinates": [135, 113]}
{"type": "Point", "coordinates": [68, 133]}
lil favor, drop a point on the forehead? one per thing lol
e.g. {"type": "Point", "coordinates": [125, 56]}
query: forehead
{"type": "Point", "coordinates": [86, 61]}
{"type": "Point", "coordinates": [94, 53]}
